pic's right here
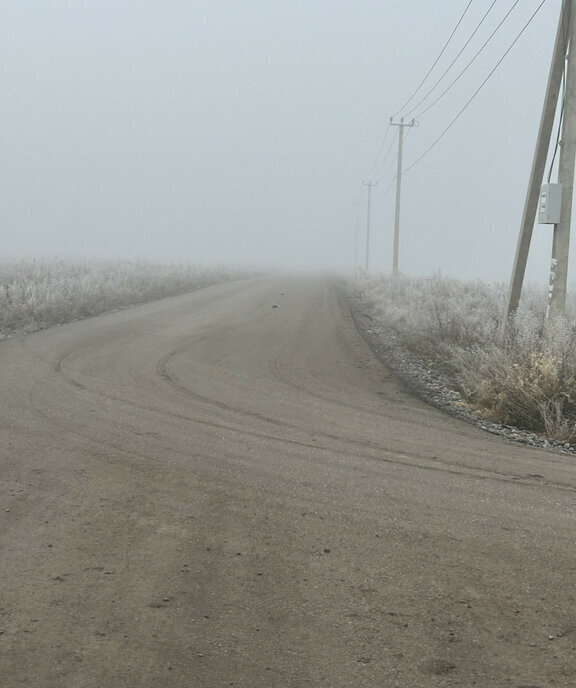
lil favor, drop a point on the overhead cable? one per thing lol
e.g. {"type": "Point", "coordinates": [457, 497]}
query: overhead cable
{"type": "Point", "coordinates": [378, 171]}
{"type": "Point", "coordinates": [379, 151]}
{"type": "Point", "coordinates": [386, 192]}
{"type": "Point", "coordinates": [455, 59]}
{"type": "Point", "coordinates": [467, 67]}
{"type": "Point", "coordinates": [477, 90]}
{"type": "Point", "coordinates": [435, 61]}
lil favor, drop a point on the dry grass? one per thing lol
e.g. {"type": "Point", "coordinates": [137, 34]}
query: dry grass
{"type": "Point", "coordinates": [35, 295]}
{"type": "Point", "coordinates": [527, 380]}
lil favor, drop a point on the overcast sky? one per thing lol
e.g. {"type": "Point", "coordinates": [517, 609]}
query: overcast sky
{"type": "Point", "coordinates": [242, 130]}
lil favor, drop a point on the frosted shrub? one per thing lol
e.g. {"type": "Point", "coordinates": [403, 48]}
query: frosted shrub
{"type": "Point", "coordinates": [527, 380]}
{"type": "Point", "coordinates": [34, 295]}
{"type": "Point", "coordinates": [435, 314]}
{"type": "Point", "coordinates": [518, 387]}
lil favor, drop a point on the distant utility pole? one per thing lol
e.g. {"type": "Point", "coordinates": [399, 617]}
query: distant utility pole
{"type": "Point", "coordinates": [356, 235]}
{"type": "Point", "coordinates": [369, 184]}
{"type": "Point", "coordinates": [401, 124]}
{"type": "Point", "coordinates": [564, 34]}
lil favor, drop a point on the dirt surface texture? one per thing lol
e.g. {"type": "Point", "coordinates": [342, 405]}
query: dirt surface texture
{"type": "Point", "coordinates": [226, 488]}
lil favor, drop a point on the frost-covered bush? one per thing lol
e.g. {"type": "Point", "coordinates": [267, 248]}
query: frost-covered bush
{"type": "Point", "coordinates": [526, 389]}
{"type": "Point", "coordinates": [34, 295]}
{"type": "Point", "coordinates": [432, 315]}
{"type": "Point", "coordinates": [526, 379]}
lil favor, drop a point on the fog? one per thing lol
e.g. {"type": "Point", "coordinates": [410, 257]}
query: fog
{"type": "Point", "coordinates": [241, 131]}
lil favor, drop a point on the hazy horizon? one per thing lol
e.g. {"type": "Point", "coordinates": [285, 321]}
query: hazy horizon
{"type": "Point", "coordinates": [241, 133]}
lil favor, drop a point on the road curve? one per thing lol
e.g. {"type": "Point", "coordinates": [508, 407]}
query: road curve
{"type": "Point", "coordinates": [227, 489]}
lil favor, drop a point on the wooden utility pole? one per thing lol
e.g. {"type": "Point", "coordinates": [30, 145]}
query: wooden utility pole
{"type": "Point", "coordinates": [561, 241]}
{"type": "Point", "coordinates": [540, 155]}
{"type": "Point", "coordinates": [367, 261]}
{"type": "Point", "coordinates": [401, 124]}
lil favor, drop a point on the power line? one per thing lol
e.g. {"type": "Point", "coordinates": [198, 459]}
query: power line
{"type": "Point", "coordinates": [380, 150]}
{"type": "Point", "coordinates": [455, 59]}
{"type": "Point", "coordinates": [467, 67]}
{"type": "Point", "coordinates": [435, 61]}
{"type": "Point", "coordinates": [391, 164]}
{"type": "Point", "coordinates": [477, 90]}
{"type": "Point", "coordinates": [378, 171]}
{"type": "Point", "coordinates": [558, 133]}
{"type": "Point", "coordinates": [409, 132]}
{"type": "Point", "coordinates": [386, 192]}
{"type": "Point", "coordinates": [373, 171]}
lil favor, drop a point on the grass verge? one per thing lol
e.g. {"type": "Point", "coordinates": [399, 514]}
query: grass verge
{"type": "Point", "coordinates": [526, 379]}
{"type": "Point", "coordinates": [35, 295]}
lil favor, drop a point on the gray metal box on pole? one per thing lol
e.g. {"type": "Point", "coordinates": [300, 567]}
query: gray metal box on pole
{"type": "Point", "coordinates": [550, 204]}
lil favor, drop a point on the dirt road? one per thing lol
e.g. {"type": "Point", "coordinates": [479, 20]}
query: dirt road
{"type": "Point", "coordinates": [210, 491]}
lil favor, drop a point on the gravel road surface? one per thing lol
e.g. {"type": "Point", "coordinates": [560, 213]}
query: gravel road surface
{"type": "Point", "coordinates": [227, 489]}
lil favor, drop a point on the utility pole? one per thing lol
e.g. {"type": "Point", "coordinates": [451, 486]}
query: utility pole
{"type": "Point", "coordinates": [356, 235]}
{"type": "Point", "coordinates": [539, 161]}
{"type": "Point", "coordinates": [561, 241]}
{"type": "Point", "coordinates": [369, 184]}
{"type": "Point", "coordinates": [401, 124]}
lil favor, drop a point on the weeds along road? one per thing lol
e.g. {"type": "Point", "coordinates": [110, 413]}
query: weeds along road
{"type": "Point", "coordinates": [210, 491]}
